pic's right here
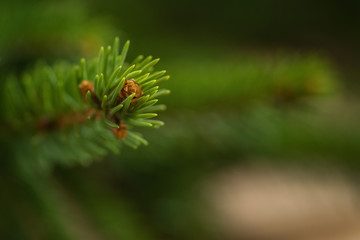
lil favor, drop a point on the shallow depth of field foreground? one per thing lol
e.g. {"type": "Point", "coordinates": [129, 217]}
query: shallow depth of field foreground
{"type": "Point", "coordinates": [179, 120]}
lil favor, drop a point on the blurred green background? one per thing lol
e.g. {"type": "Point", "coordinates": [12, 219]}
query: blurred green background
{"type": "Point", "coordinates": [257, 82]}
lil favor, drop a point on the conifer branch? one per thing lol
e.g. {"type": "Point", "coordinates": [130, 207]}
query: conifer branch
{"type": "Point", "coordinates": [106, 89]}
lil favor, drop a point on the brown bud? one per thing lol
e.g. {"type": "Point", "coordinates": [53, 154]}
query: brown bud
{"type": "Point", "coordinates": [85, 86]}
{"type": "Point", "coordinates": [120, 132]}
{"type": "Point", "coordinates": [44, 124]}
{"type": "Point", "coordinates": [130, 87]}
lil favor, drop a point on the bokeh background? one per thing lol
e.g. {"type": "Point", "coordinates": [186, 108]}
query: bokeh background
{"type": "Point", "coordinates": [262, 136]}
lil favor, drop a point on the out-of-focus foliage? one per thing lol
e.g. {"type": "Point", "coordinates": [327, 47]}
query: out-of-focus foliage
{"type": "Point", "coordinates": [238, 80]}
{"type": "Point", "coordinates": [48, 29]}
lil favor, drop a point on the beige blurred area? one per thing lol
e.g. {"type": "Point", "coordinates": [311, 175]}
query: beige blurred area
{"type": "Point", "coordinates": [286, 203]}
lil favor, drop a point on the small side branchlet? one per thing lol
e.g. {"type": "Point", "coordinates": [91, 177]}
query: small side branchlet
{"type": "Point", "coordinates": [123, 92]}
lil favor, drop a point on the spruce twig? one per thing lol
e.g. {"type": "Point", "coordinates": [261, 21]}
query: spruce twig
{"type": "Point", "coordinates": [105, 89]}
